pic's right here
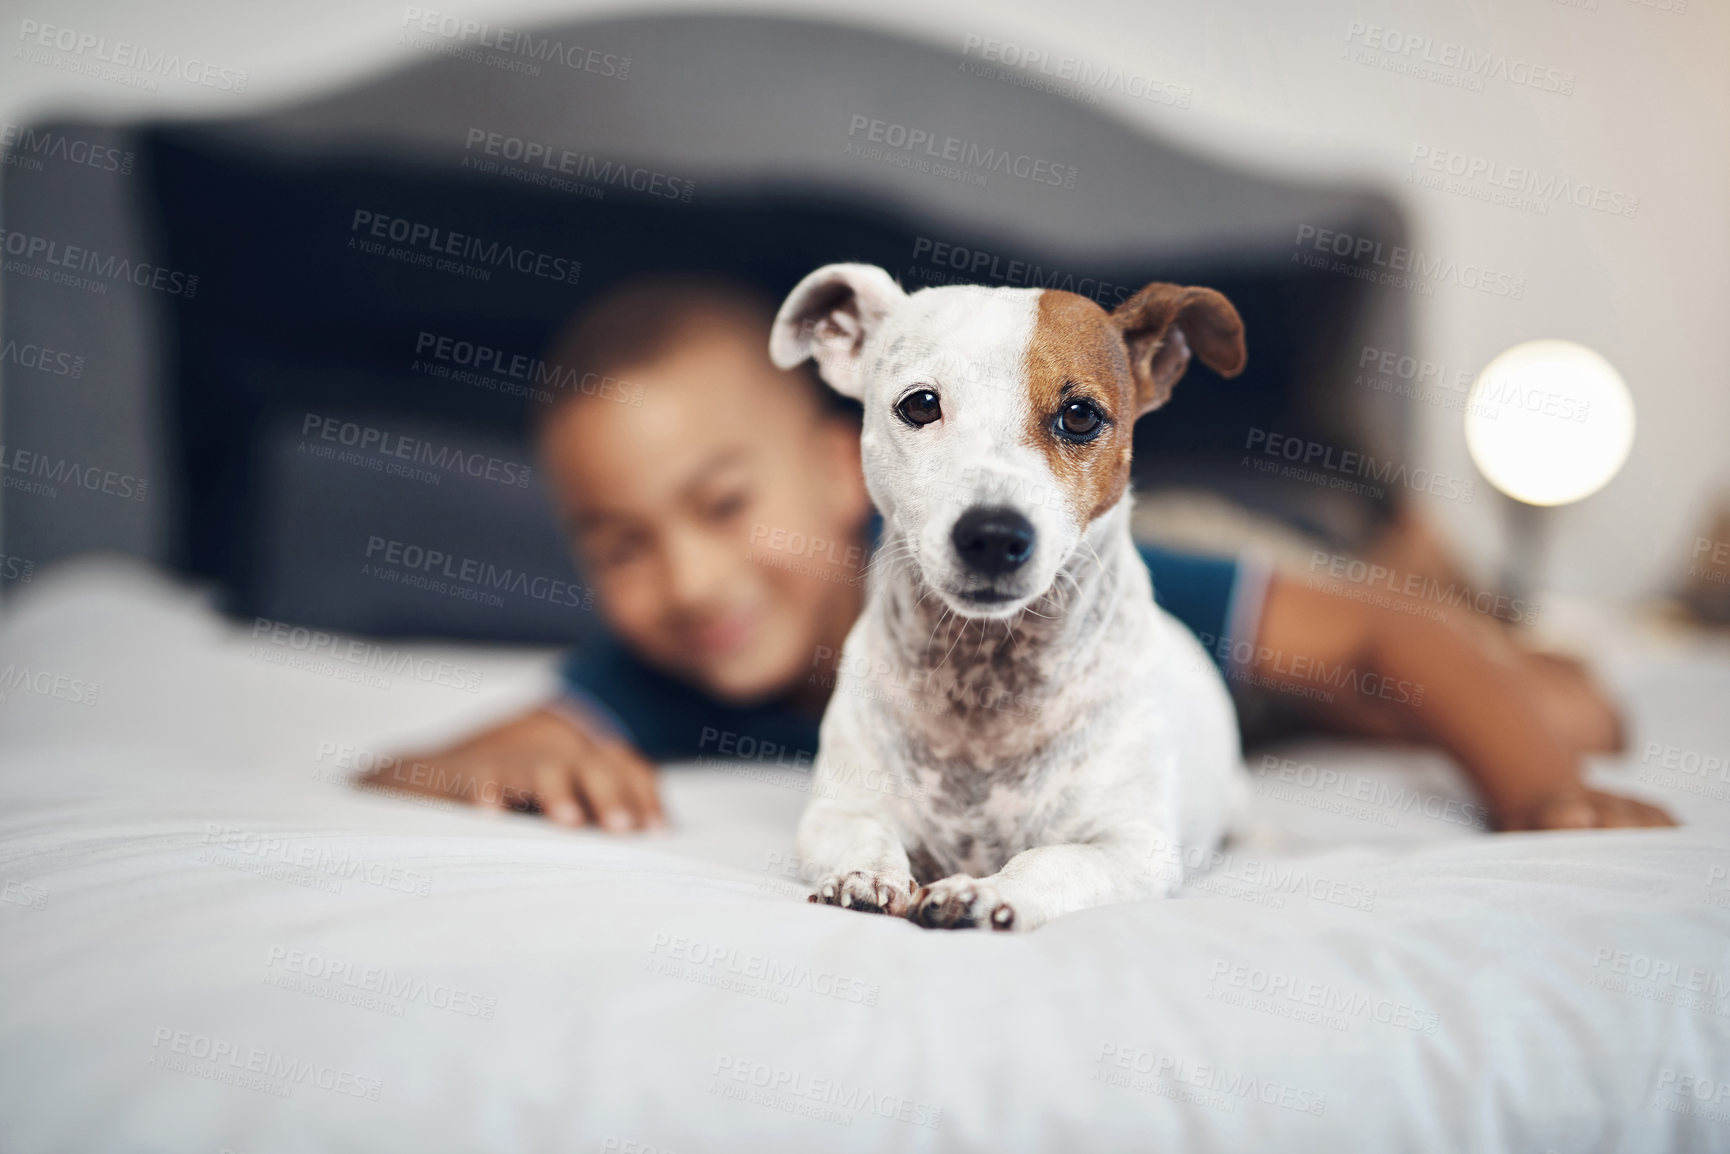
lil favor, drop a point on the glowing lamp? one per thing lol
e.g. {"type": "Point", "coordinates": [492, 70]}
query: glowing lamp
{"type": "Point", "coordinates": [1549, 422]}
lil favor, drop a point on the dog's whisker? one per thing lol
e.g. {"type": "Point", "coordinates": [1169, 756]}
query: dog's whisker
{"type": "Point", "coordinates": [959, 634]}
{"type": "Point", "coordinates": [940, 619]}
{"type": "Point", "coordinates": [1061, 596]}
{"type": "Point", "coordinates": [977, 649]}
{"type": "Point", "coordinates": [888, 559]}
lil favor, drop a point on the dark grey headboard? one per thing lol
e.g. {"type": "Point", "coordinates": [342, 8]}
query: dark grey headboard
{"type": "Point", "coordinates": [757, 147]}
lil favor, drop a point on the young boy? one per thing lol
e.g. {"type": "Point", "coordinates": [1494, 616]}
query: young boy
{"type": "Point", "coordinates": [682, 509]}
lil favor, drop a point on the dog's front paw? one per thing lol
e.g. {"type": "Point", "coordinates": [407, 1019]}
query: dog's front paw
{"type": "Point", "coordinates": [866, 890]}
{"type": "Point", "coordinates": [961, 903]}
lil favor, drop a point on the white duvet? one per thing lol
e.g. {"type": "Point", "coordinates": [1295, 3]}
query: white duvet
{"type": "Point", "coordinates": [208, 941]}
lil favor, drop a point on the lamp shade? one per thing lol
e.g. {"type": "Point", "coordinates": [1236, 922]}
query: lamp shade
{"type": "Point", "coordinates": [1549, 422]}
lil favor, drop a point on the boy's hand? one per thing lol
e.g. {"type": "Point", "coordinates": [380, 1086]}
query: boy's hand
{"type": "Point", "coordinates": [1517, 725]}
{"type": "Point", "coordinates": [541, 761]}
{"type": "Point", "coordinates": [1582, 808]}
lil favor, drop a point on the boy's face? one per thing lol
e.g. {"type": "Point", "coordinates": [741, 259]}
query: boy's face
{"type": "Point", "coordinates": [683, 510]}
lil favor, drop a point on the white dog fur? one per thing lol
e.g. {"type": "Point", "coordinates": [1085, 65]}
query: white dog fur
{"type": "Point", "coordinates": [1061, 746]}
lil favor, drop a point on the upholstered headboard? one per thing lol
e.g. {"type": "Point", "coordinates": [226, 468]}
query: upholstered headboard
{"type": "Point", "coordinates": [342, 384]}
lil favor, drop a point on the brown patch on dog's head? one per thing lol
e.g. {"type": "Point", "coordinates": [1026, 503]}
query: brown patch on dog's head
{"type": "Point", "coordinates": [1078, 354]}
{"type": "Point", "coordinates": [1125, 362]}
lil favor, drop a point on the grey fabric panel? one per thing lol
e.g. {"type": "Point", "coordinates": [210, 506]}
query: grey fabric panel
{"type": "Point", "coordinates": [93, 412]}
{"type": "Point", "coordinates": [745, 99]}
{"type": "Point", "coordinates": [364, 541]}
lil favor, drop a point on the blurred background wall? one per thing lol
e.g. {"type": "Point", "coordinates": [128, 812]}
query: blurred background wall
{"type": "Point", "coordinates": [1629, 97]}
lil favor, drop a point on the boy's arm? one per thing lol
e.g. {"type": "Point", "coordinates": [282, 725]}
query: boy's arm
{"type": "Point", "coordinates": [1447, 681]}
{"type": "Point", "coordinates": [548, 760]}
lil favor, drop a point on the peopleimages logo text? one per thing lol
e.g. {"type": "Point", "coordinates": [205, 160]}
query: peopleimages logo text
{"type": "Point", "coordinates": [272, 1064]}
{"type": "Point", "coordinates": [125, 54]}
{"type": "Point", "coordinates": [42, 359]}
{"type": "Point", "coordinates": [966, 153]}
{"type": "Point", "coordinates": [23, 141]}
{"type": "Point", "coordinates": [1353, 463]}
{"type": "Point", "coordinates": [1529, 182]}
{"type": "Point", "coordinates": [463, 31]}
{"type": "Point", "coordinates": [580, 165]}
{"type": "Point", "coordinates": [1461, 58]}
{"type": "Point", "coordinates": [366, 438]}
{"type": "Point", "coordinates": [469, 571]}
{"type": "Point", "coordinates": [464, 246]}
{"type": "Point", "coordinates": [486, 360]}
{"type": "Point", "coordinates": [27, 247]}
{"type": "Point", "coordinates": [974, 265]}
{"type": "Point", "coordinates": [24, 467]}
{"type": "Point", "coordinates": [1399, 259]}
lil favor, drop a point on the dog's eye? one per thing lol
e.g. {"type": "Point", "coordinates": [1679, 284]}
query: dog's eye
{"type": "Point", "coordinates": [1079, 420]}
{"type": "Point", "coordinates": [919, 408]}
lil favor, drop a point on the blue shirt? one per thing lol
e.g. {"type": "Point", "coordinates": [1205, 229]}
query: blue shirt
{"type": "Point", "coordinates": [1218, 598]}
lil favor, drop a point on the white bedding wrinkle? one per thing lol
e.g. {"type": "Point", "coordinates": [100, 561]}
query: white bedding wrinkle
{"type": "Point", "coordinates": [209, 941]}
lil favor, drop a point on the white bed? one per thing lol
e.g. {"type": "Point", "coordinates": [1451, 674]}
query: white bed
{"type": "Point", "coordinates": [182, 858]}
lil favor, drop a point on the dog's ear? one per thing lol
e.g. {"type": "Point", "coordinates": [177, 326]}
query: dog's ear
{"type": "Point", "coordinates": [1162, 323]}
{"type": "Point", "coordinates": [827, 316]}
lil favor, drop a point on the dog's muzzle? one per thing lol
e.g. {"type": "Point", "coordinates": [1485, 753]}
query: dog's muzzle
{"type": "Point", "coordinates": [992, 542]}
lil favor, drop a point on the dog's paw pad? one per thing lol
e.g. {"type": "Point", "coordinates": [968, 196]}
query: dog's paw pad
{"type": "Point", "coordinates": [961, 903]}
{"type": "Point", "coordinates": [867, 891]}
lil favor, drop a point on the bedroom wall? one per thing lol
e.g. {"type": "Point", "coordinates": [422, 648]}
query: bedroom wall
{"type": "Point", "coordinates": [1629, 96]}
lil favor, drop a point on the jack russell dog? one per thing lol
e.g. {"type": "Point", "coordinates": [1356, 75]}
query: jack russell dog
{"type": "Point", "coordinates": [1045, 738]}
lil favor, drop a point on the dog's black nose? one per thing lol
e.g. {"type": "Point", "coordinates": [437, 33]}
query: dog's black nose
{"type": "Point", "coordinates": [993, 541]}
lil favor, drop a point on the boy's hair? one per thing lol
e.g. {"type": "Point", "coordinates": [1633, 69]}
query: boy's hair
{"type": "Point", "coordinates": [642, 320]}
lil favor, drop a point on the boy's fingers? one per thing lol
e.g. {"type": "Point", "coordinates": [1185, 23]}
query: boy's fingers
{"type": "Point", "coordinates": [416, 774]}
{"type": "Point", "coordinates": [1627, 812]}
{"type": "Point", "coordinates": [502, 785]}
{"type": "Point", "coordinates": [378, 778]}
{"type": "Point", "coordinates": [637, 777]}
{"type": "Point", "coordinates": [598, 778]}
{"type": "Point", "coordinates": [427, 777]}
{"type": "Point", "coordinates": [1651, 815]}
{"type": "Point", "coordinates": [470, 778]}
{"type": "Point", "coordinates": [1571, 810]}
{"type": "Point", "coordinates": [557, 796]}
{"type": "Point", "coordinates": [631, 777]}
